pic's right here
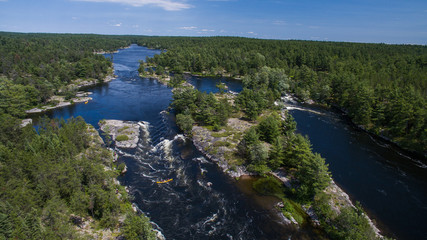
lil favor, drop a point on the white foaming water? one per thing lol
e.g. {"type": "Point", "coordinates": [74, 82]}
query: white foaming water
{"type": "Point", "coordinates": [204, 185]}
{"type": "Point", "coordinates": [180, 137]}
{"type": "Point", "coordinates": [121, 67]}
{"type": "Point", "coordinates": [201, 160]}
{"type": "Point", "coordinates": [165, 146]}
{"type": "Point", "coordinates": [144, 126]}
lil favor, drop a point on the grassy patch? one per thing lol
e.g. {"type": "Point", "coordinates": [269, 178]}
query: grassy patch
{"type": "Point", "coordinates": [269, 186]}
{"type": "Point", "coordinates": [123, 128]}
{"type": "Point", "coordinates": [120, 138]}
{"type": "Point", "coordinates": [222, 144]}
{"type": "Point", "coordinates": [293, 209]}
{"type": "Point", "coordinates": [237, 137]}
{"type": "Point", "coordinates": [221, 134]}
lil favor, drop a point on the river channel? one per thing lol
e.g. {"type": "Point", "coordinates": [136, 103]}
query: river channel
{"type": "Point", "coordinates": [203, 203]}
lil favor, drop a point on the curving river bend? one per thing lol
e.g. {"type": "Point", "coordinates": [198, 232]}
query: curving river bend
{"type": "Point", "coordinates": [391, 187]}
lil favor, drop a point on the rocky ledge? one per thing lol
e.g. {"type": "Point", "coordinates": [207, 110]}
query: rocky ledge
{"type": "Point", "coordinates": [220, 146]}
{"type": "Point", "coordinates": [124, 133]}
{"type": "Point", "coordinates": [59, 101]}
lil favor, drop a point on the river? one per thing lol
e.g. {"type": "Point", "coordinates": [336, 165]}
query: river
{"type": "Point", "coordinates": [391, 187]}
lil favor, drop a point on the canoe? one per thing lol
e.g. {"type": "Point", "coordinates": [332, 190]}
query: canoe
{"type": "Point", "coordinates": [165, 181]}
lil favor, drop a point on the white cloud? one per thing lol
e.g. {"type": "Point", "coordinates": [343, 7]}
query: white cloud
{"type": "Point", "coordinates": [207, 30]}
{"type": "Point", "coordinates": [168, 5]}
{"type": "Point", "coordinates": [117, 25]}
{"type": "Point", "coordinates": [279, 22]}
{"type": "Point", "coordinates": [188, 28]}
{"type": "Point", "coordinates": [73, 18]}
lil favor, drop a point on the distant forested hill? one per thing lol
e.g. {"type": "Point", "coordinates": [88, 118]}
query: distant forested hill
{"type": "Point", "coordinates": [382, 87]}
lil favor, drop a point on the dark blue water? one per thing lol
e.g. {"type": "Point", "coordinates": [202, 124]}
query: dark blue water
{"type": "Point", "coordinates": [389, 185]}
{"type": "Point", "coordinates": [208, 84]}
{"type": "Point", "coordinates": [187, 207]}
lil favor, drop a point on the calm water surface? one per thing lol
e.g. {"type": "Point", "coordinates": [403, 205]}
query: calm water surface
{"type": "Point", "coordinates": [391, 187]}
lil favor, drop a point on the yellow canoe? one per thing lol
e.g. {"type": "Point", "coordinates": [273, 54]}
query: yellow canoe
{"type": "Point", "coordinates": [86, 102]}
{"type": "Point", "coordinates": [165, 181]}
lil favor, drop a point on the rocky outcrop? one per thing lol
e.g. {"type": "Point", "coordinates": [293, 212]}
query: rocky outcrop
{"type": "Point", "coordinates": [220, 146]}
{"type": "Point", "coordinates": [26, 122]}
{"type": "Point", "coordinates": [124, 133]}
{"type": "Point", "coordinates": [340, 199]}
{"type": "Point", "coordinates": [59, 101]}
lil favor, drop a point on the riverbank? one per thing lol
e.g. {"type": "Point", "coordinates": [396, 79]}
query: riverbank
{"type": "Point", "coordinates": [380, 136]}
{"type": "Point", "coordinates": [221, 147]}
{"type": "Point", "coordinates": [58, 101]}
{"type": "Point", "coordinates": [108, 52]}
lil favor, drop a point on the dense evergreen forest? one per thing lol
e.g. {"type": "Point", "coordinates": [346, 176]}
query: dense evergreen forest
{"type": "Point", "coordinates": [272, 144]}
{"type": "Point", "coordinates": [33, 67]}
{"type": "Point", "coordinates": [53, 179]}
{"type": "Point", "coordinates": [383, 88]}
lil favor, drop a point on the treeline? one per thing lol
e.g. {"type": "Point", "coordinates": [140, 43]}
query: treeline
{"type": "Point", "coordinates": [35, 66]}
{"type": "Point", "coordinates": [52, 178]}
{"type": "Point", "coordinates": [382, 87]}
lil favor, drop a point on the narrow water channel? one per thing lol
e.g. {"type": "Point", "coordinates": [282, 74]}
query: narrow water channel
{"type": "Point", "coordinates": [203, 203]}
{"type": "Point", "coordinates": [390, 185]}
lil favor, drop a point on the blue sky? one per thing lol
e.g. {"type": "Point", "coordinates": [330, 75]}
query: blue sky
{"type": "Point", "coordinates": [386, 21]}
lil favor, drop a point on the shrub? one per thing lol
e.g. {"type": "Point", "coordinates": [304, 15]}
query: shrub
{"type": "Point", "coordinates": [120, 138]}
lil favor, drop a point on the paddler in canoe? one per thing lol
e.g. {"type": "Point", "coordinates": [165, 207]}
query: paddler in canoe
{"type": "Point", "coordinates": [165, 181]}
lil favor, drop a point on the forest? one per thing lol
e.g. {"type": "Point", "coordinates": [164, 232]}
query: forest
{"type": "Point", "coordinates": [33, 67]}
{"type": "Point", "coordinates": [381, 87]}
{"type": "Point", "coordinates": [271, 144]}
{"type": "Point", "coordinates": [53, 178]}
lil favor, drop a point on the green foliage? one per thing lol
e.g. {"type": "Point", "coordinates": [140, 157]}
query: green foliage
{"type": "Point", "coordinates": [277, 154]}
{"type": "Point", "coordinates": [350, 223]}
{"type": "Point", "coordinates": [382, 87]}
{"type": "Point", "coordinates": [176, 80]}
{"type": "Point", "coordinates": [294, 210]}
{"type": "Point", "coordinates": [121, 129]}
{"type": "Point", "coordinates": [204, 108]}
{"type": "Point", "coordinates": [121, 138]}
{"type": "Point", "coordinates": [222, 87]}
{"type": "Point", "coordinates": [258, 156]}
{"type": "Point", "coordinates": [269, 186]}
{"type": "Point", "coordinates": [138, 227]}
{"type": "Point", "coordinates": [185, 122]}
{"type": "Point", "coordinates": [269, 128]}
{"type": "Point", "coordinates": [45, 178]}
{"type": "Point", "coordinates": [35, 66]}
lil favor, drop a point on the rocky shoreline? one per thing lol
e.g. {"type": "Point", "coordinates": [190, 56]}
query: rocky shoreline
{"type": "Point", "coordinates": [59, 101]}
{"type": "Point", "coordinates": [205, 141]}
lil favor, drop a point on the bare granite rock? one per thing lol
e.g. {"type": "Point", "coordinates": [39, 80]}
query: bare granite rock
{"type": "Point", "coordinates": [218, 146]}
{"type": "Point", "coordinates": [124, 133]}
{"type": "Point", "coordinates": [26, 122]}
